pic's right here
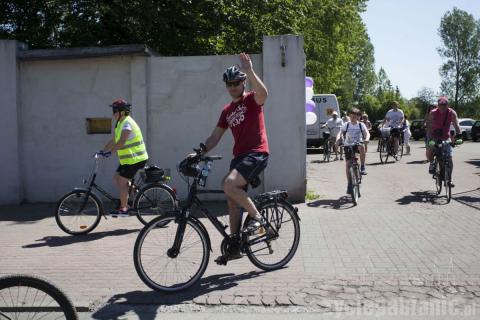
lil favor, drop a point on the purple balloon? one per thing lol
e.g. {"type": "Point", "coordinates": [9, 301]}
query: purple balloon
{"type": "Point", "coordinates": [310, 106]}
{"type": "Point", "coordinates": [308, 82]}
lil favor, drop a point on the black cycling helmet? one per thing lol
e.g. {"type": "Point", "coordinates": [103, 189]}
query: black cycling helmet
{"type": "Point", "coordinates": [121, 105]}
{"type": "Point", "coordinates": [233, 74]}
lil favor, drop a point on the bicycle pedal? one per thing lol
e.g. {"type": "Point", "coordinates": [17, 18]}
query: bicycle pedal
{"type": "Point", "coordinates": [221, 261]}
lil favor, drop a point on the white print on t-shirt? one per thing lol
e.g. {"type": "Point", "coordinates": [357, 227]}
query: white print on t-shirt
{"type": "Point", "coordinates": [237, 116]}
{"type": "Point", "coordinates": [354, 133]}
{"type": "Point", "coordinates": [128, 127]}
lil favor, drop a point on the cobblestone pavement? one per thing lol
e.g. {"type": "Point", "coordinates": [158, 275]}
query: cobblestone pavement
{"type": "Point", "coordinates": [401, 246]}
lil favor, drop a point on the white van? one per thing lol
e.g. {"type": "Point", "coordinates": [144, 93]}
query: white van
{"type": "Point", "coordinates": [325, 104]}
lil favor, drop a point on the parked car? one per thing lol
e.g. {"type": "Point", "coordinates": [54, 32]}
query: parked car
{"type": "Point", "coordinates": [418, 129]}
{"type": "Point", "coordinates": [375, 131]}
{"type": "Point", "coordinates": [465, 127]}
{"type": "Point", "coordinates": [475, 133]}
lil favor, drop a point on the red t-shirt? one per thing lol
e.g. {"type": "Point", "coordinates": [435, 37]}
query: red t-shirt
{"type": "Point", "coordinates": [245, 118]}
{"type": "Point", "coordinates": [442, 122]}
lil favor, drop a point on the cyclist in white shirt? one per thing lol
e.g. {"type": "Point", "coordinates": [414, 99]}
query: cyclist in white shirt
{"type": "Point", "coordinates": [394, 119]}
{"type": "Point", "coordinates": [334, 124]}
{"type": "Point", "coordinates": [353, 132]}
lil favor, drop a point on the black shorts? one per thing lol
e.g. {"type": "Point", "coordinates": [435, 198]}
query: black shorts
{"type": "Point", "coordinates": [250, 165]}
{"type": "Point", "coordinates": [350, 151]}
{"type": "Point", "coordinates": [128, 170]}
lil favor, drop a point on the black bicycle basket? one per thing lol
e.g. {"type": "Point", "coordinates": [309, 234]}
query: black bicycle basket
{"type": "Point", "coordinates": [189, 167]}
{"type": "Point", "coordinates": [154, 174]}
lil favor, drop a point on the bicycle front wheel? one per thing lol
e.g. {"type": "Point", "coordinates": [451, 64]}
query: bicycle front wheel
{"type": "Point", "coordinates": [278, 245]}
{"type": "Point", "coordinates": [355, 190]}
{"type": "Point", "coordinates": [383, 151]}
{"type": "Point", "coordinates": [326, 151]}
{"type": "Point", "coordinates": [438, 177]}
{"type": "Point", "coordinates": [154, 200]}
{"type": "Point", "coordinates": [448, 187]}
{"type": "Point", "coordinates": [163, 268]}
{"type": "Point", "coordinates": [28, 297]}
{"type": "Point", "coordinates": [78, 212]}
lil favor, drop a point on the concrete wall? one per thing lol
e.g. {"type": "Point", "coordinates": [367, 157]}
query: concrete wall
{"type": "Point", "coordinates": [176, 101]}
{"type": "Point", "coordinates": [10, 188]}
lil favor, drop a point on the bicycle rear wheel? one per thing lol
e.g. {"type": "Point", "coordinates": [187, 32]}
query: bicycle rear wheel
{"type": "Point", "coordinates": [154, 200]}
{"type": "Point", "coordinates": [278, 245]}
{"type": "Point", "coordinates": [78, 212]}
{"type": "Point", "coordinates": [157, 263]}
{"type": "Point", "coordinates": [28, 297]}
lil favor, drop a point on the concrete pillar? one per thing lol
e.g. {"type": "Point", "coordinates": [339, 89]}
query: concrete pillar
{"type": "Point", "coordinates": [10, 188]}
{"type": "Point", "coordinates": [284, 76]}
{"type": "Point", "coordinates": [138, 93]}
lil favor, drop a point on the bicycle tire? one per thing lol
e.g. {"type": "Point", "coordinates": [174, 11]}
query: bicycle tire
{"type": "Point", "coordinates": [326, 151]}
{"type": "Point", "coordinates": [447, 181]}
{"type": "Point", "coordinates": [84, 216]}
{"type": "Point", "coordinates": [355, 186]}
{"type": "Point", "coordinates": [438, 177]}
{"type": "Point", "coordinates": [273, 218]}
{"type": "Point", "coordinates": [19, 287]}
{"type": "Point", "coordinates": [154, 200]}
{"type": "Point", "coordinates": [162, 226]}
{"type": "Point", "coordinates": [400, 152]}
{"type": "Point", "coordinates": [384, 151]}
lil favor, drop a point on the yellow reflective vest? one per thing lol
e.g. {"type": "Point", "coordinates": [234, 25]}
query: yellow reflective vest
{"type": "Point", "coordinates": [134, 150]}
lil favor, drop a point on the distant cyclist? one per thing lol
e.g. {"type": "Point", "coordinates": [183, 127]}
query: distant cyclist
{"type": "Point", "coordinates": [334, 124]}
{"type": "Point", "coordinates": [355, 131]}
{"type": "Point", "coordinates": [128, 143]}
{"type": "Point", "coordinates": [438, 122]}
{"type": "Point", "coordinates": [394, 120]}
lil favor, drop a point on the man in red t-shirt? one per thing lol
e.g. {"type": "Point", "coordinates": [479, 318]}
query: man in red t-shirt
{"type": "Point", "coordinates": [244, 116]}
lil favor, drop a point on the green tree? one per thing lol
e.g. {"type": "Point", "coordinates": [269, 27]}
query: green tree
{"type": "Point", "coordinates": [460, 34]}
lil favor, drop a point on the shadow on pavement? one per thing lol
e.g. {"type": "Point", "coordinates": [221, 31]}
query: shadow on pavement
{"type": "Point", "coordinates": [423, 197]}
{"type": "Point", "coordinates": [56, 241]}
{"type": "Point", "coordinates": [418, 162]}
{"type": "Point", "coordinates": [341, 203]}
{"type": "Point", "coordinates": [469, 198]}
{"type": "Point", "coordinates": [135, 299]}
{"type": "Point", "coordinates": [27, 213]}
{"type": "Point", "coordinates": [475, 162]}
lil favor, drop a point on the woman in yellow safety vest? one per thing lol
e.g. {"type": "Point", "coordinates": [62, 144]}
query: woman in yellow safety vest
{"type": "Point", "coordinates": [131, 151]}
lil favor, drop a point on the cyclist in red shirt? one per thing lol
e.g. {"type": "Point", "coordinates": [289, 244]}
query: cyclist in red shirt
{"type": "Point", "coordinates": [244, 116]}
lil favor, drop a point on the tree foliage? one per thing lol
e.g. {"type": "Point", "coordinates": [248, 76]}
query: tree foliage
{"type": "Point", "coordinates": [460, 34]}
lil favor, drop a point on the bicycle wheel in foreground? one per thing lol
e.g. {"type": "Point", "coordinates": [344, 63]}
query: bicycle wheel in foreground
{"type": "Point", "coordinates": [383, 151]}
{"type": "Point", "coordinates": [28, 297]}
{"type": "Point", "coordinates": [448, 187]}
{"type": "Point", "coordinates": [153, 201]}
{"type": "Point", "coordinates": [78, 212]}
{"type": "Point", "coordinates": [160, 265]}
{"type": "Point", "coordinates": [355, 190]}
{"type": "Point", "coordinates": [275, 252]}
{"type": "Point", "coordinates": [327, 151]}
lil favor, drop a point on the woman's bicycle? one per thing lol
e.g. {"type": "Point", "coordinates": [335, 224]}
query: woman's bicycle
{"type": "Point", "coordinates": [354, 176]}
{"type": "Point", "coordinates": [29, 297]}
{"type": "Point", "coordinates": [171, 253]}
{"type": "Point", "coordinates": [79, 211]}
{"type": "Point", "coordinates": [443, 166]}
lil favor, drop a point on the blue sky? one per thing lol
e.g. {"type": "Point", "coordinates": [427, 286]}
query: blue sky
{"type": "Point", "coordinates": [405, 36]}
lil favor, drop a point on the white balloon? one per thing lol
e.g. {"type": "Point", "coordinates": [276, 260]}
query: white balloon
{"type": "Point", "coordinates": [308, 93]}
{"type": "Point", "coordinates": [311, 118]}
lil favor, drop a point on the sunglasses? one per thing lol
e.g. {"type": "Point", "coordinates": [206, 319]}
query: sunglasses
{"type": "Point", "coordinates": [233, 84]}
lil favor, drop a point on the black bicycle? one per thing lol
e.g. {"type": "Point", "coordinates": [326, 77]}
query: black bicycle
{"type": "Point", "coordinates": [386, 146]}
{"type": "Point", "coordinates": [171, 253]}
{"type": "Point", "coordinates": [31, 297]}
{"type": "Point", "coordinates": [354, 176]}
{"type": "Point", "coordinates": [442, 162]}
{"type": "Point", "coordinates": [79, 211]}
{"type": "Point", "coordinates": [327, 146]}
